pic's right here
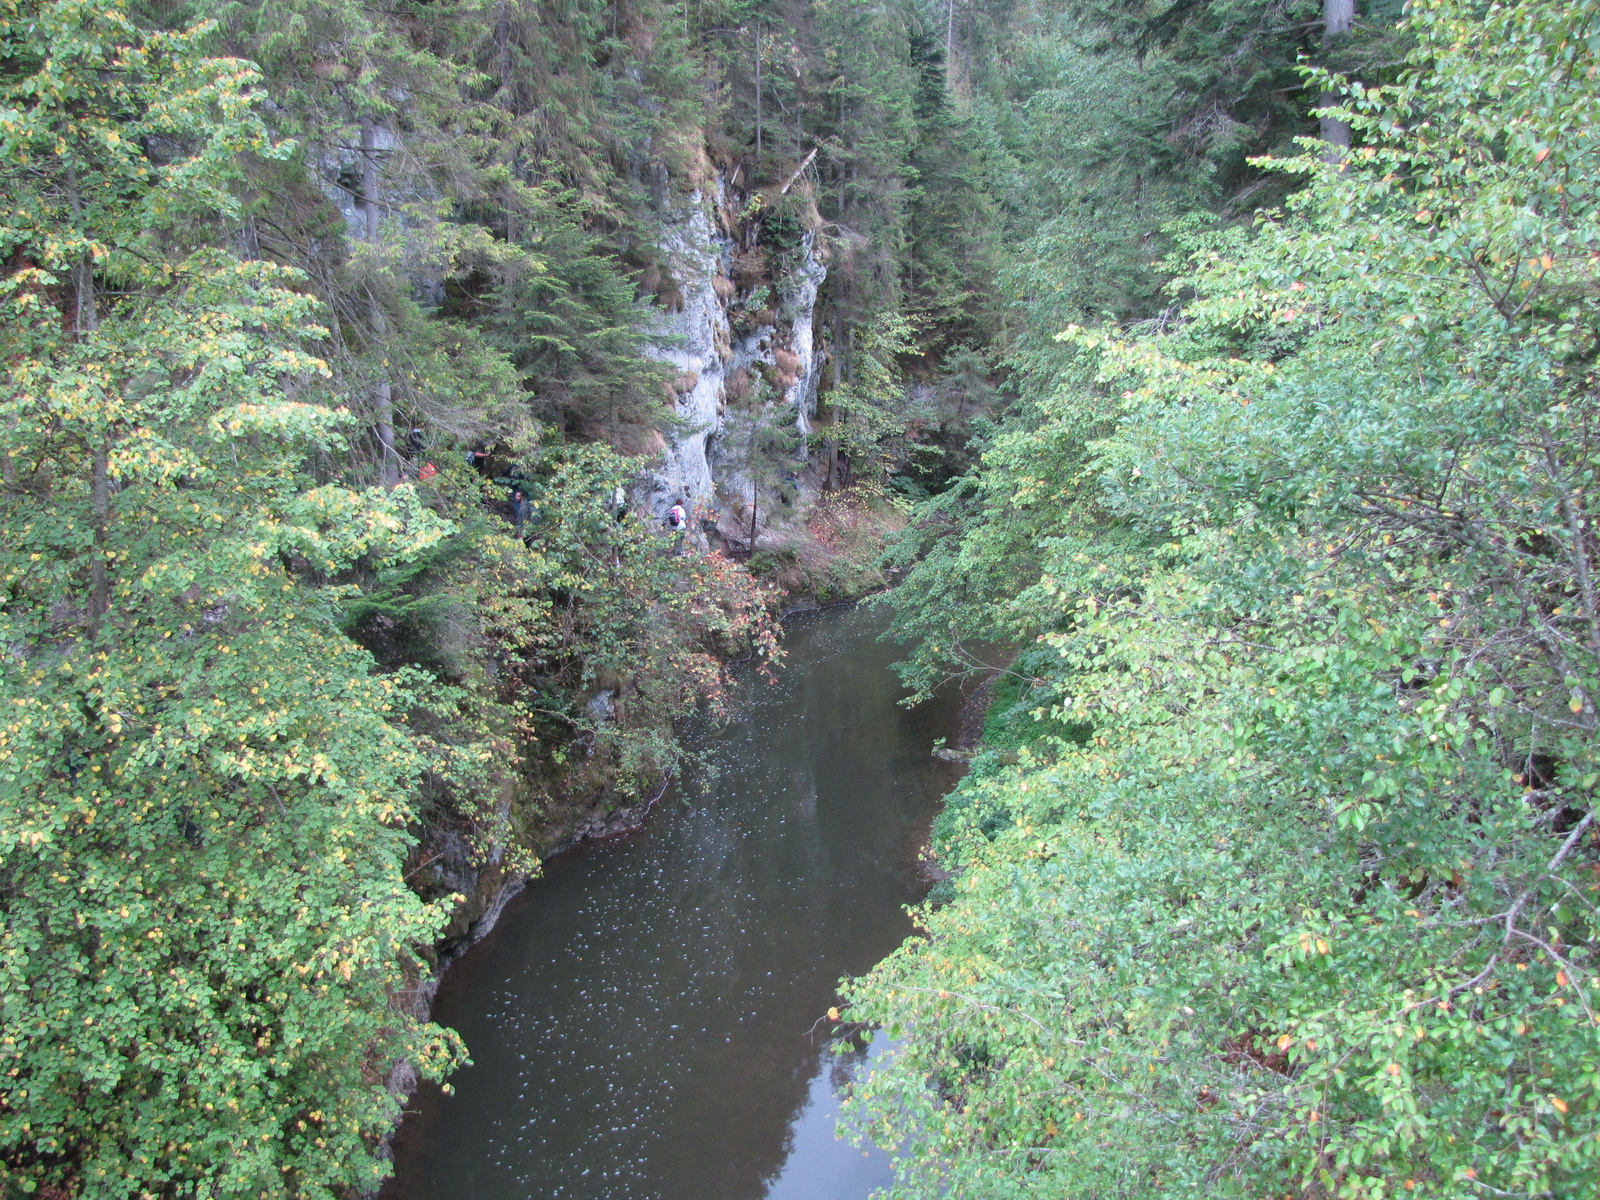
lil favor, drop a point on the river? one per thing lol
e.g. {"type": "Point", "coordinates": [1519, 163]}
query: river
{"type": "Point", "coordinates": [644, 1019]}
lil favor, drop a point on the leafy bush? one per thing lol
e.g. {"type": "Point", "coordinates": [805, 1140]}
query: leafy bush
{"type": "Point", "coordinates": [1313, 911]}
{"type": "Point", "coordinates": [206, 787]}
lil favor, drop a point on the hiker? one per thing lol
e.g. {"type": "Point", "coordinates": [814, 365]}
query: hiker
{"type": "Point", "coordinates": [678, 522]}
{"type": "Point", "coordinates": [619, 502]}
{"type": "Point", "coordinates": [415, 442]}
{"type": "Point", "coordinates": [521, 509]}
{"type": "Point", "coordinates": [478, 459]}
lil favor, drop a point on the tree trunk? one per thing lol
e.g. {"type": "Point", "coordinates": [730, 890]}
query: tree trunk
{"type": "Point", "coordinates": [100, 500]}
{"type": "Point", "coordinates": [502, 43]}
{"type": "Point", "coordinates": [86, 319]}
{"type": "Point", "coordinates": [383, 406]}
{"type": "Point", "coordinates": [249, 238]}
{"type": "Point", "coordinates": [754, 493]}
{"type": "Point", "coordinates": [85, 314]}
{"type": "Point", "coordinates": [758, 97]}
{"type": "Point", "coordinates": [1337, 18]}
{"type": "Point", "coordinates": [850, 380]}
{"type": "Point", "coordinates": [949, 45]}
{"type": "Point", "coordinates": [369, 179]}
{"type": "Point", "coordinates": [383, 390]}
{"type": "Point", "coordinates": [831, 479]}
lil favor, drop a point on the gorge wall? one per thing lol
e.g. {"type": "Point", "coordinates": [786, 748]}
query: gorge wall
{"type": "Point", "coordinates": [738, 325]}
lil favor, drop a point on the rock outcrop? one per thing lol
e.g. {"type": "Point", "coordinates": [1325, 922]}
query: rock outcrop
{"type": "Point", "coordinates": [739, 314]}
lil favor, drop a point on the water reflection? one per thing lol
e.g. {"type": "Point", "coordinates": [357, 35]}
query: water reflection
{"type": "Point", "coordinates": [639, 1019]}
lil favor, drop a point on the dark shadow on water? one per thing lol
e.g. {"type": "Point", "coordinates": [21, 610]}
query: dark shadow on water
{"type": "Point", "coordinates": [638, 1020]}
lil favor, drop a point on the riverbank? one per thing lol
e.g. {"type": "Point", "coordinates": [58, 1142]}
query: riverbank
{"type": "Point", "coordinates": [832, 556]}
{"type": "Point", "coordinates": [831, 559]}
{"type": "Point", "coordinates": [829, 555]}
{"type": "Point", "coordinates": [651, 994]}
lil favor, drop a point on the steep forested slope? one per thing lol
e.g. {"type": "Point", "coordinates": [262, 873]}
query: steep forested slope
{"type": "Point", "coordinates": [1286, 884]}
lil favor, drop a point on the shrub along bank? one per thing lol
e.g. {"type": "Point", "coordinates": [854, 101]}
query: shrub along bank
{"type": "Point", "coordinates": [1293, 891]}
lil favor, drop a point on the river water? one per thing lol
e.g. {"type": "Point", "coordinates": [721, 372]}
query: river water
{"type": "Point", "coordinates": [644, 1019]}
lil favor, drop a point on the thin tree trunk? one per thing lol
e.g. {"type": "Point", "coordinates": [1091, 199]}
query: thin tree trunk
{"type": "Point", "coordinates": [754, 492]}
{"type": "Point", "coordinates": [85, 320]}
{"type": "Point", "coordinates": [949, 45]}
{"type": "Point", "coordinates": [383, 406]}
{"type": "Point", "coordinates": [502, 42]}
{"type": "Point", "coordinates": [383, 390]}
{"type": "Point", "coordinates": [831, 481]}
{"type": "Point", "coordinates": [850, 380]}
{"type": "Point", "coordinates": [369, 179]}
{"type": "Point", "coordinates": [758, 96]}
{"type": "Point", "coordinates": [611, 50]}
{"type": "Point", "coordinates": [800, 170]}
{"type": "Point", "coordinates": [100, 500]}
{"type": "Point", "coordinates": [1337, 18]}
{"type": "Point", "coordinates": [249, 239]}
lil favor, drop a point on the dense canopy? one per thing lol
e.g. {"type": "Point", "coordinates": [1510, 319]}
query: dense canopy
{"type": "Point", "coordinates": [1289, 885]}
{"type": "Point", "coordinates": [331, 333]}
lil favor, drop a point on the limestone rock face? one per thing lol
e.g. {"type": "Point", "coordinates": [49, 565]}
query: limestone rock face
{"type": "Point", "coordinates": [718, 341]}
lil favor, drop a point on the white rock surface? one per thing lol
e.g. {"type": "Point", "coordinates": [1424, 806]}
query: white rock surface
{"type": "Point", "coordinates": [697, 252]}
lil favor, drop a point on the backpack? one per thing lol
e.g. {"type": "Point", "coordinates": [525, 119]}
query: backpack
{"type": "Point", "coordinates": [678, 517]}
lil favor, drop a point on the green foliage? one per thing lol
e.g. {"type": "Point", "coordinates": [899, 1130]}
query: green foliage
{"type": "Point", "coordinates": [562, 312]}
{"type": "Point", "coordinates": [578, 604]}
{"type": "Point", "coordinates": [245, 241]}
{"type": "Point", "coordinates": [204, 805]}
{"type": "Point", "coordinates": [1108, 124]}
{"type": "Point", "coordinates": [870, 411]}
{"type": "Point", "coordinates": [759, 443]}
{"type": "Point", "coordinates": [976, 554]}
{"type": "Point", "coordinates": [1311, 912]}
{"type": "Point", "coordinates": [952, 222]}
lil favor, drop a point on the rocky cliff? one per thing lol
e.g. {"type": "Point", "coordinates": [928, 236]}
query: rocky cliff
{"type": "Point", "coordinates": [738, 308]}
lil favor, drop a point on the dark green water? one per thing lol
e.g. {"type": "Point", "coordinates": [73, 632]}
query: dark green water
{"type": "Point", "coordinates": [641, 1019]}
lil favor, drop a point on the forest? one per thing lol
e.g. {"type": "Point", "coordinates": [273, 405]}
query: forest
{"type": "Point", "coordinates": [1229, 364]}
